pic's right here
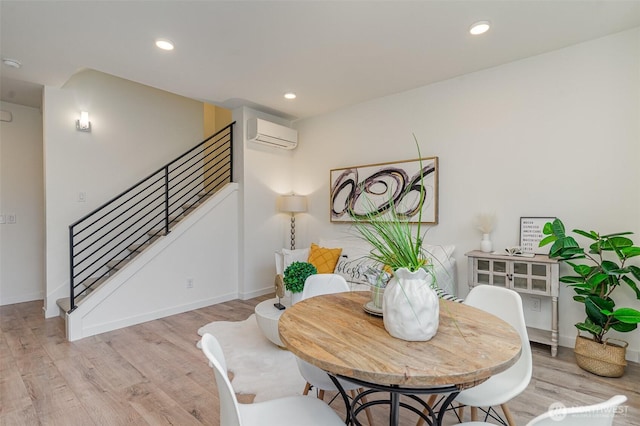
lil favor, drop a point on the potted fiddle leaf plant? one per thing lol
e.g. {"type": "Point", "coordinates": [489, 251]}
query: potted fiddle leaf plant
{"type": "Point", "coordinates": [410, 307]}
{"type": "Point", "coordinates": [603, 268]}
{"type": "Point", "coordinates": [295, 276]}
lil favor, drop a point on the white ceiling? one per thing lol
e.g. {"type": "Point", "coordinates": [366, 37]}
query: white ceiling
{"type": "Point", "coordinates": [331, 53]}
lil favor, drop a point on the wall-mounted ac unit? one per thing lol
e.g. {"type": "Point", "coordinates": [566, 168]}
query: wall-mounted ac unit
{"type": "Point", "coordinates": [273, 134]}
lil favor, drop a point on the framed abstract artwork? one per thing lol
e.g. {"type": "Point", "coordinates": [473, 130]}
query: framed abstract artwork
{"type": "Point", "coordinates": [361, 191]}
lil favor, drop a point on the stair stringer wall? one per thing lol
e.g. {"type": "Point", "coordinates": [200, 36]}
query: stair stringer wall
{"type": "Point", "coordinates": [203, 247]}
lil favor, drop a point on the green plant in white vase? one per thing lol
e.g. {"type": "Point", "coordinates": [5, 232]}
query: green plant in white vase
{"type": "Point", "coordinates": [294, 277]}
{"type": "Point", "coordinates": [410, 305]}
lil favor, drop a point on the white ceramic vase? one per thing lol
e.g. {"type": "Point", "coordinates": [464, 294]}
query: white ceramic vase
{"type": "Point", "coordinates": [485, 244]}
{"type": "Point", "coordinates": [411, 308]}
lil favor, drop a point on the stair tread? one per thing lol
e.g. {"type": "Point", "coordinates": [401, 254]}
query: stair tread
{"type": "Point", "coordinates": [137, 247]}
{"type": "Point", "coordinates": [95, 283]}
{"type": "Point", "coordinates": [65, 302]}
{"type": "Point", "coordinates": [189, 206]}
{"type": "Point", "coordinates": [118, 263]}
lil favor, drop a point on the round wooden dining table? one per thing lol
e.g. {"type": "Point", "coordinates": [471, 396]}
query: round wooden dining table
{"type": "Point", "coordinates": [334, 333]}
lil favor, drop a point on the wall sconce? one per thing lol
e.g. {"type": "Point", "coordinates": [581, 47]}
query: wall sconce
{"type": "Point", "coordinates": [83, 124]}
{"type": "Point", "coordinates": [293, 204]}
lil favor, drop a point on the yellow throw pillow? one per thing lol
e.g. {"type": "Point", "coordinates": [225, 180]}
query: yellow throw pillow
{"type": "Point", "coordinates": [324, 259]}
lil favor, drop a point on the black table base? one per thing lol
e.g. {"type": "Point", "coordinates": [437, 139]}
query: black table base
{"type": "Point", "coordinates": [426, 412]}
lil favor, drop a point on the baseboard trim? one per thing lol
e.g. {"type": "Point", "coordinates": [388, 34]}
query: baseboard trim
{"type": "Point", "coordinates": [149, 316]}
{"type": "Point", "coordinates": [29, 297]}
{"type": "Point", "coordinates": [256, 293]}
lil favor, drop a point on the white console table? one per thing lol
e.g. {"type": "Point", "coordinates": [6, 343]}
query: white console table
{"type": "Point", "coordinates": [536, 275]}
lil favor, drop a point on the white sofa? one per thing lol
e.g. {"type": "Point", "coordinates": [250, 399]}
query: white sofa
{"type": "Point", "coordinates": [353, 261]}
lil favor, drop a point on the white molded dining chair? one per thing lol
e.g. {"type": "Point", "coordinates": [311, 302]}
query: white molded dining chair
{"type": "Point", "coordinates": [292, 411]}
{"type": "Point", "coordinates": [317, 285]}
{"type": "Point", "coordinates": [499, 389]}
{"type": "Point", "coordinates": [600, 414]}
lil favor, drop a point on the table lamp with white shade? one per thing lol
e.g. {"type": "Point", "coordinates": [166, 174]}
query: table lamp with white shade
{"type": "Point", "coordinates": [293, 204]}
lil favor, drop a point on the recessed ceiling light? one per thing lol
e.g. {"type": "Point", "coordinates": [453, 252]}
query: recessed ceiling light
{"type": "Point", "coordinates": [164, 44]}
{"type": "Point", "coordinates": [480, 27]}
{"type": "Point", "coordinates": [290, 95]}
{"type": "Point", "coordinates": [13, 63]}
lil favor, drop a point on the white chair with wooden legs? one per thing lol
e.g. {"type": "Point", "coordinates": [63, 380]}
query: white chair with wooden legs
{"type": "Point", "coordinates": [499, 389]}
{"type": "Point", "coordinates": [291, 411]}
{"type": "Point", "coordinates": [600, 414]}
{"type": "Point", "coordinates": [317, 285]}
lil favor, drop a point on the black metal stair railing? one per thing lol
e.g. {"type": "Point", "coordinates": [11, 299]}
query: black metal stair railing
{"type": "Point", "coordinates": [112, 234]}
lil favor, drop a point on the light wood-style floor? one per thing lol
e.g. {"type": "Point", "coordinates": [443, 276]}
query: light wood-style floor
{"type": "Point", "coordinates": [153, 374]}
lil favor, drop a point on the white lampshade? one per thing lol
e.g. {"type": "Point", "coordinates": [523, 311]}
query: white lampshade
{"type": "Point", "coordinates": [293, 203]}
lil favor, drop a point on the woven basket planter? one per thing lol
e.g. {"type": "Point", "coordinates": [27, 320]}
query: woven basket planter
{"type": "Point", "coordinates": [604, 359]}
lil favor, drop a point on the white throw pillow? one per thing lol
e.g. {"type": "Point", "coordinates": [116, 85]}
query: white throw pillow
{"type": "Point", "coordinates": [444, 266]}
{"type": "Point", "coordinates": [353, 259]}
{"type": "Point", "coordinates": [286, 257]}
{"type": "Point", "coordinates": [297, 255]}
{"type": "Point", "coordinates": [439, 253]}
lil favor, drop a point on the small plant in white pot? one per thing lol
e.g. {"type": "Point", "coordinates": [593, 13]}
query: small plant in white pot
{"type": "Point", "coordinates": [295, 276]}
{"type": "Point", "coordinates": [606, 269]}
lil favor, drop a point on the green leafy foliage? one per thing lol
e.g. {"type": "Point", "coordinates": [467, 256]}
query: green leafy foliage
{"type": "Point", "coordinates": [392, 235]}
{"type": "Point", "coordinates": [594, 283]}
{"type": "Point", "coordinates": [296, 274]}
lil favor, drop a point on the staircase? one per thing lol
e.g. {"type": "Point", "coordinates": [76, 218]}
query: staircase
{"type": "Point", "coordinates": [104, 242]}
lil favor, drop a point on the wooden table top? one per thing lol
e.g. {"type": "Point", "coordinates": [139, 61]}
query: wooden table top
{"type": "Point", "coordinates": [334, 333]}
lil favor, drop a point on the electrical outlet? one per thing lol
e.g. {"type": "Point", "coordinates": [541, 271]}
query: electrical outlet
{"type": "Point", "coordinates": [535, 304]}
{"type": "Point", "coordinates": [2, 219]}
{"type": "Point", "coordinates": [11, 218]}
{"type": "Point", "coordinates": [82, 197]}
{"type": "Point", "coordinates": [189, 282]}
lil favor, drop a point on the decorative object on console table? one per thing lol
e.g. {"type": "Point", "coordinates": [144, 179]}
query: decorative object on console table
{"type": "Point", "coordinates": [536, 276]}
{"type": "Point", "coordinates": [484, 223]}
{"type": "Point", "coordinates": [531, 234]}
{"type": "Point", "coordinates": [594, 284]}
{"type": "Point", "coordinates": [410, 306]}
{"type": "Point", "coordinates": [293, 204]}
{"type": "Point", "coordinates": [294, 277]}
{"type": "Point", "coordinates": [485, 244]}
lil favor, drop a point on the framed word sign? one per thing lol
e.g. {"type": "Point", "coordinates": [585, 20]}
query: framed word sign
{"type": "Point", "coordinates": [362, 191]}
{"type": "Point", "coordinates": [531, 234]}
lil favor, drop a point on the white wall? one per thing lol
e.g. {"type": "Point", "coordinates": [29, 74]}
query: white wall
{"type": "Point", "coordinates": [21, 193]}
{"type": "Point", "coordinates": [264, 174]}
{"type": "Point", "coordinates": [552, 135]}
{"type": "Point", "coordinates": [135, 130]}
